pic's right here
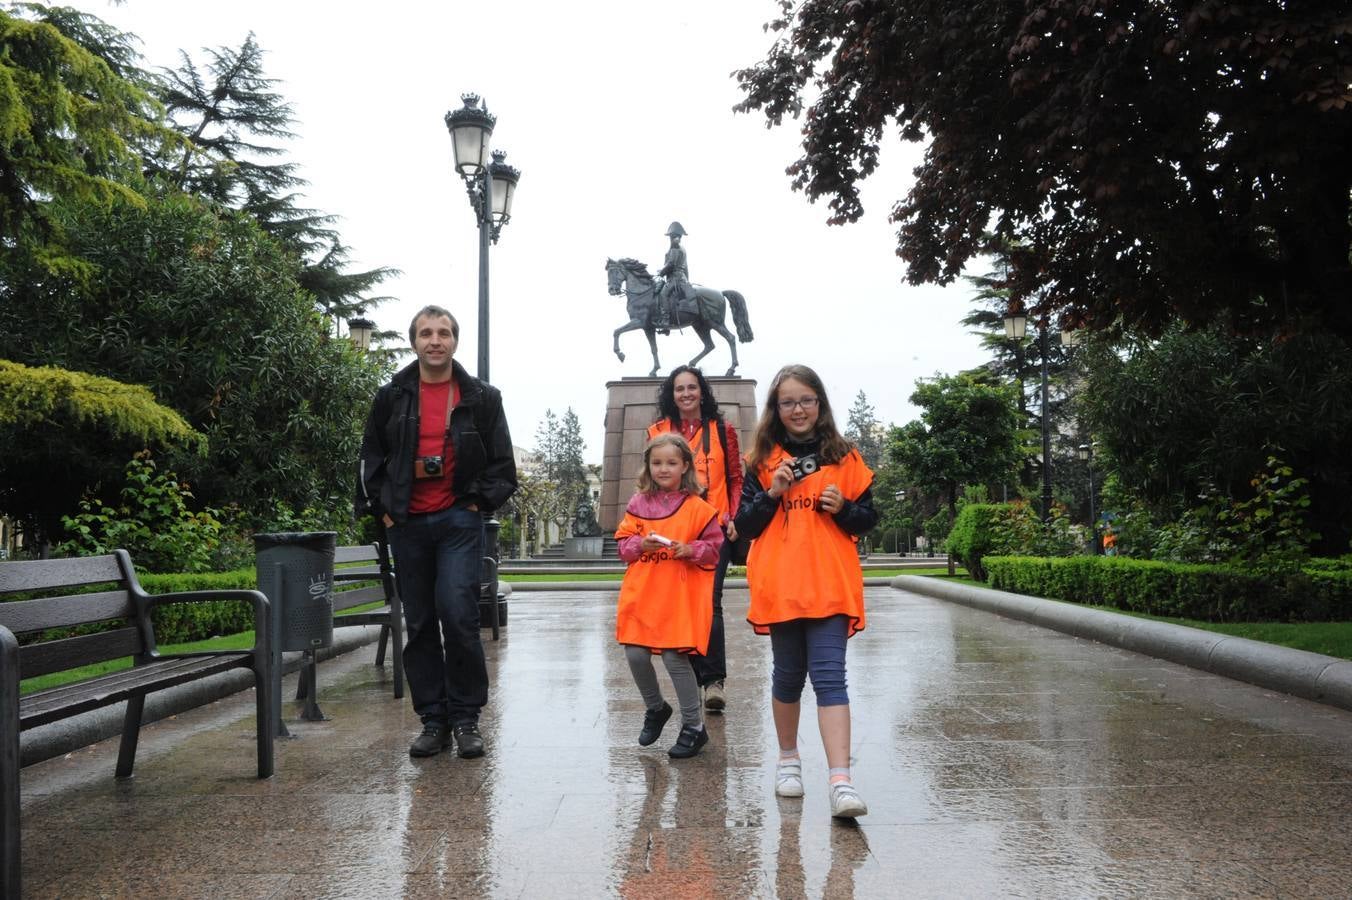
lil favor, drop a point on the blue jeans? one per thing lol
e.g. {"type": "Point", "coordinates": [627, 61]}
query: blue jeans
{"type": "Point", "coordinates": [437, 561]}
{"type": "Point", "coordinates": [813, 647]}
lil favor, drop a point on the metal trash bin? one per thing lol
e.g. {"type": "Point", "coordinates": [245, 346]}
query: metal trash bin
{"type": "Point", "coordinates": [295, 572]}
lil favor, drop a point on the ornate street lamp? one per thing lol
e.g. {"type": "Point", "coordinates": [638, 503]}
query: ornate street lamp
{"type": "Point", "coordinates": [359, 332]}
{"type": "Point", "coordinates": [490, 186]}
{"type": "Point", "coordinates": [1086, 454]}
{"type": "Point", "coordinates": [1016, 326]}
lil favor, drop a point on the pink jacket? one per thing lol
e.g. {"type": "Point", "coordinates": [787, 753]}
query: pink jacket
{"type": "Point", "coordinates": [655, 505]}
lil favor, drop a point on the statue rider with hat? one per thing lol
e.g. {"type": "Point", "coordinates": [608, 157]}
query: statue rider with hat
{"type": "Point", "coordinates": [677, 286]}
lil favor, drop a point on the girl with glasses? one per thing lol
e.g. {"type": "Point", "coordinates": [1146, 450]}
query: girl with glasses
{"type": "Point", "coordinates": [805, 499]}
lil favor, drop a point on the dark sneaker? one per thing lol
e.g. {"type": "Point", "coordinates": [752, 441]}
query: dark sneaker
{"type": "Point", "coordinates": [688, 742]}
{"type": "Point", "coordinates": [468, 741]}
{"type": "Point", "coordinates": [436, 737]}
{"type": "Point", "coordinates": [653, 722]}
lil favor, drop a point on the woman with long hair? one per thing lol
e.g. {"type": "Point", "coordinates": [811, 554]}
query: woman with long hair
{"type": "Point", "coordinates": [686, 406]}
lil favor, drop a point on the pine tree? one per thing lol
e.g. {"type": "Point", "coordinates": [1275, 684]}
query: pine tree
{"type": "Point", "coordinates": [73, 107]}
{"type": "Point", "coordinates": [231, 117]}
{"type": "Point", "coordinates": [864, 431]}
{"type": "Point", "coordinates": [572, 471]}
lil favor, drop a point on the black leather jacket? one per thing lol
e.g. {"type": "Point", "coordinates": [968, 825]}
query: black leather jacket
{"type": "Point", "coordinates": [485, 468]}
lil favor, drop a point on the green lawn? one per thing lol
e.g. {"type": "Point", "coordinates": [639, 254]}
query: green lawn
{"type": "Point", "coordinates": [242, 641]}
{"type": "Point", "coordinates": [1328, 638]}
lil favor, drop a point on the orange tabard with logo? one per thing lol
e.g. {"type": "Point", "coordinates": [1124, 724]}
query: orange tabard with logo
{"type": "Point", "coordinates": [710, 468]}
{"type": "Point", "coordinates": [803, 566]}
{"type": "Point", "coordinates": [664, 602]}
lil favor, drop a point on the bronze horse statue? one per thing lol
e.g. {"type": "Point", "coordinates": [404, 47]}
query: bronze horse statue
{"type": "Point", "coordinates": [704, 313]}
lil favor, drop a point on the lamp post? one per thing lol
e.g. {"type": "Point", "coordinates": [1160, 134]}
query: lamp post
{"type": "Point", "coordinates": [1086, 454]}
{"type": "Point", "coordinates": [1016, 327]}
{"type": "Point", "coordinates": [900, 497]}
{"type": "Point", "coordinates": [359, 332]}
{"type": "Point", "coordinates": [491, 187]}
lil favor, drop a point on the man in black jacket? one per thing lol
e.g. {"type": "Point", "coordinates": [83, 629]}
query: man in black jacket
{"type": "Point", "coordinates": [436, 457]}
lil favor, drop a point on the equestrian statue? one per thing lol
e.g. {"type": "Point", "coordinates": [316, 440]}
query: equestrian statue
{"type": "Point", "coordinates": [657, 306]}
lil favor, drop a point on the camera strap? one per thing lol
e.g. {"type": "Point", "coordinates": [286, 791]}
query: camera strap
{"type": "Point", "coordinates": [450, 408]}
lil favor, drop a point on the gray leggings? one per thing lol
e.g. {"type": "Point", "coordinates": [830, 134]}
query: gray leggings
{"type": "Point", "coordinates": [682, 679]}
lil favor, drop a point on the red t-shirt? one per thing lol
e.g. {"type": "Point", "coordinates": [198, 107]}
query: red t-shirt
{"type": "Point", "coordinates": [434, 494]}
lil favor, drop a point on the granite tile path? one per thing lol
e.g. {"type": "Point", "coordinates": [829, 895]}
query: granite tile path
{"type": "Point", "coordinates": [997, 759]}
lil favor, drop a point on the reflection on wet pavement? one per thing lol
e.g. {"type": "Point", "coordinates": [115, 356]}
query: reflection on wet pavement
{"type": "Point", "coordinates": [997, 759]}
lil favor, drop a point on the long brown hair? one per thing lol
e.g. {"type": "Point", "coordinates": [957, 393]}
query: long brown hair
{"type": "Point", "coordinates": [770, 431]}
{"type": "Point", "coordinates": [689, 480]}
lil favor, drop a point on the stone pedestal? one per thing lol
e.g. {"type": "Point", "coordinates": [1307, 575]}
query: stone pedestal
{"type": "Point", "coordinates": [631, 406]}
{"type": "Point", "coordinates": [584, 547]}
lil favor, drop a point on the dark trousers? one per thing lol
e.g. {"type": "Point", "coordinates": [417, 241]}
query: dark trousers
{"type": "Point", "coordinates": [713, 666]}
{"type": "Point", "coordinates": [437, 560]}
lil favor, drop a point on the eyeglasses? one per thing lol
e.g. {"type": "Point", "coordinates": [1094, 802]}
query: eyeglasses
{"type": "Point", "coordinates": [807, 403]}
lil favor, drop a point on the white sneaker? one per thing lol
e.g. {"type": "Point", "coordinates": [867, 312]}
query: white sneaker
{"type": "Point", "coordinates": [789, 778]}
{"type": "Point", "coordinates": [846, 802]}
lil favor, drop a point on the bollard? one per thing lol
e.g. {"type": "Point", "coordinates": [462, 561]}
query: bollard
{"type": "Point", "coordinates": [492, 607]}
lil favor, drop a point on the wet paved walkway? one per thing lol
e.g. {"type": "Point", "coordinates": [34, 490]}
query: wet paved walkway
{"type": "Point", "coordinates": [997, 758]}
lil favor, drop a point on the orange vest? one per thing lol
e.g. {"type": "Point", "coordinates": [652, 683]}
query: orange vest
{"type": "Point", "coordinates": [710, 468]}
{"type": "Point", "coordinates": [803, 566]}
{"type": "Point", "coordinates": [664, 601]}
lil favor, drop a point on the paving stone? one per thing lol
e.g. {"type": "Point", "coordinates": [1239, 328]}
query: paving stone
{"type": "Point", "coordinates": [997, 759]}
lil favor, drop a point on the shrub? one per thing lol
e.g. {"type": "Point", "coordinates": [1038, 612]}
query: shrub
{"type": "Point", "coordinates": [1212, 593]}
{"type": "Point", "coordinates": [983, 529]}
{"type": "Point", "coordinates": [975, 533]}
{"type": "Point", "coordinates": [176, 623]}
{"type": "Point", "coordinates": [153, 523]}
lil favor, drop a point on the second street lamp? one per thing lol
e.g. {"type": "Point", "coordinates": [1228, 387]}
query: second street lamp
{"type": "Point", "coordinates": [491, 187]}
{"type": "Point", "coordinates": [1016, 326]}
{"type": "Point", "coordinates": [359, 331]}
{"type": "Point", "coordinates": [1086, 454]}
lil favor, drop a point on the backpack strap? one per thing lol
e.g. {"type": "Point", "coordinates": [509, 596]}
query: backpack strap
{"type": "Point", "coordinates": [723, 441]}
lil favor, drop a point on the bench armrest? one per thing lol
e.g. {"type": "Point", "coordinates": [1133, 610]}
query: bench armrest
{"type": "Point", "coordinates": [147, 602]}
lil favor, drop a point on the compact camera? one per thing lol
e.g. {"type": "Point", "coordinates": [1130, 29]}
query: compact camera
{"type": "Point", "coordinates": [428, 467]}
{"type": "Point", "coordinates": [804, 466]}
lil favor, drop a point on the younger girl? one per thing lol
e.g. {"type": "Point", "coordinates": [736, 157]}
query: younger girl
{"type": "Point", "coordinates": [671, 539]}
{"type": "Point", "coordinates": [805, 498]}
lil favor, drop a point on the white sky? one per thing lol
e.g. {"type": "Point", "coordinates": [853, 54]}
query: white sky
{"type": "Point", "coordinates": [618, 113]}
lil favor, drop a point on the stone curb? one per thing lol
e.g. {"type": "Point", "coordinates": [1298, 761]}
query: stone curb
{"type": "Point", "coordinates": [1312, 676]}
{"type": "Point", "coordinates": [67, 735]}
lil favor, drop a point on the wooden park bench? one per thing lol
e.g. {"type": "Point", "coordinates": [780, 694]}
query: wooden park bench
{"type": "Point", "coordinates": [122, 602]}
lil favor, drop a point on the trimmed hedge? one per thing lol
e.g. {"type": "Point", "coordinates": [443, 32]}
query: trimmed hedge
{"type": "Point", "coordinates": [1212, 593]}
{"type": "Point", "coordinates": [178, 623]}
{"type": "Point", "coordinates": [973, 535]}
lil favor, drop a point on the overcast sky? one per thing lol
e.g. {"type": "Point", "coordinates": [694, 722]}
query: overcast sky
{"type": "Point", "coordinates": [619, 115]}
